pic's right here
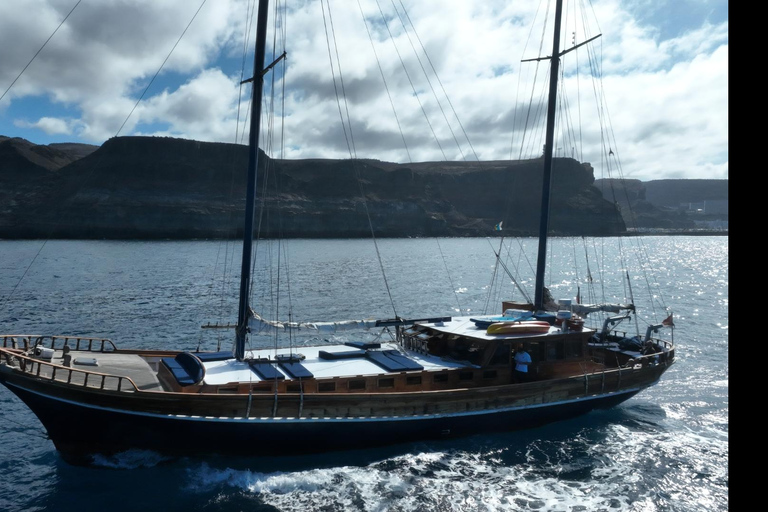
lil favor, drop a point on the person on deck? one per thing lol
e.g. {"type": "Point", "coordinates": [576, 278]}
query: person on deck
{"type": "Point", "coordinates": [522, 363]}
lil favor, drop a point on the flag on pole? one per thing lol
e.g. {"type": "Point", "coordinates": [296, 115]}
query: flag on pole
{"type": "Point", "coordinates": [498, 226]}
{"type": "Point", "coordinates": [668, 321]}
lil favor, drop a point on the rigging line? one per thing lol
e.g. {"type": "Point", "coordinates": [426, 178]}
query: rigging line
{"type": "Point", "coordinates": [210, 294]}
{"type": "Point", "coordinates": [445, 264]}
{"type": "Point", "coordinates": [506, 270]}
{"type": "Point", "coordinates": [384, 81]}
{"type": "Point", "coordinates": [535, 119]}
{"type": "Point", "coordinates": [341, 82]}
{"type": "Point", "coordinates": [491, 285]}
{"type": "Point", "coordinates": [517, 93]}
{"type": "Point", "coordinates": [246, 38]}
{"type": "Point", "coordinates": [608, 134]}
{"type": "Point", "coordinates": [429, 82]}
{"type": "Point", "coordinates": [448, 99]}
{"type": "Point", "coordinates": [41, 49]}
{"type": "Point", "coordinates": [283, 25]}
{"type": "Point", "coordinates": [458, 145]}
{"type": "Point", "coordinates": [350, 144]}
{"type": "Point", "coordinates": [402, 134]}
{"type": "Point", "coordinates": [520, 253]}
{"type": "Point", "coordinates": [495, 273]}
{"type": "Point", "coordinates": [228, 255]}
{"type": "Point", "coordinates": [639, 247]}
{"type": "Point", "coordinates": [413, 87]}
{"type": "Point", "coordinates": [352, 150]}
{"type": "Point", "coordinates": [160, 68]}
{"type": "Point", "coordinates": [99, 161]}
{"type": "Point", "coordinates": [8, 297]}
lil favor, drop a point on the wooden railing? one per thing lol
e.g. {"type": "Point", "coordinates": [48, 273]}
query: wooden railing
{"type": "Point", "coordinates": [81, 343]}
{"type": "Point", "coordinates": [16, 359]}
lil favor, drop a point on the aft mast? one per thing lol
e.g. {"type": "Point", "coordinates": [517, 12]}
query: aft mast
{"type": "Point", "coordinates": [547, 179]}
{"type": "Point", "coordinates": [250, 195]}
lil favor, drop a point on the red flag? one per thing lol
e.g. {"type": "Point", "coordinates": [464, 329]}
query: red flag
{"type": "Point", "coordinates": [668, 321]}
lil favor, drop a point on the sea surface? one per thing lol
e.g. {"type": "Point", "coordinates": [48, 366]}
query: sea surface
{"type": "Point", "coordinates": [664, 450]}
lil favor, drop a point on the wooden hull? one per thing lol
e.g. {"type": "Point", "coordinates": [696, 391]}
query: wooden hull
{"type": "Point", "coordinates": [83, 422]}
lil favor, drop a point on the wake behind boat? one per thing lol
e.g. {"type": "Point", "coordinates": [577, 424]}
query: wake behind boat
{"type": "Point", "coordinates": [436, 376]}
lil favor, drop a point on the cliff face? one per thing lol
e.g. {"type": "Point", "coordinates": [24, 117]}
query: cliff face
{"type": "Point", "coordinates": [145, 187]}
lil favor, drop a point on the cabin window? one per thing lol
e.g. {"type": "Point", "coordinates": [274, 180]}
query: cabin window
{"type": "Point", "coordinates": [573, 349]}
{"type": "Point", "coordinates": [466, 375]}
{"type": "Point", "coordinates": [357, 384]}
{"type": "Point", "coordinates": [501, 356]}
{"type": "Point", "coordinates": [326, 387]}
{"type": "Point", "coordinates": [556, 350]}
{"type": "Point", "coordinates": [489, 374]}
{"type": "Point", "coordinates": [293, 387]}
{"type": "Point", "coordinates": [440, 377]}
{"type": "Point", "coordinates": [389, 382]}
{"type": "Point", "coordinates": [413, 381]}
{"type": "Point", "coordinates": [465, 350]}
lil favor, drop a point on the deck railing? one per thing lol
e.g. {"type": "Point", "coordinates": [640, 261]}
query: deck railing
{"type": "Point", "coordinates": [81, 343]}
{"type": "Point", "coordinates": [55, 372]}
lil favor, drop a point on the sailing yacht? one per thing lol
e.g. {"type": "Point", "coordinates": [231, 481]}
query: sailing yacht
{"type": "Point", "coordinates": [438, 376]}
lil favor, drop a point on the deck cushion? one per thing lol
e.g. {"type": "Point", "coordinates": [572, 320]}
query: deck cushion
{"type": "Point", "coordinates": [362, 345]}
{"type": "Point", "coordinates": [265, 370]}
{"type": "Point", "coordinates": [214, 356]}
{"type": "Point", "coordinates": [186, 368]}
{"type": "Point", "coordinates": [296, 370]}
{"type": "Point", "coordinates": [347, 354]}
{"type": "Point", "coordinates": [392, 361]}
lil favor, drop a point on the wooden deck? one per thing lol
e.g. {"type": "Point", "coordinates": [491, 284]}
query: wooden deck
{"type": "Point", "coordinates": [109, 372]}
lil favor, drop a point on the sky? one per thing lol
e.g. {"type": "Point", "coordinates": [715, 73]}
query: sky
{"type": "Point", "coordinates": [449, 84]}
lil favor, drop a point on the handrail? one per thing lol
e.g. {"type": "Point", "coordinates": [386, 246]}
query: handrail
{"type": "Point", "coordinates": [33, 366]}
{"type": "Point", "coordinates": [82, 343]}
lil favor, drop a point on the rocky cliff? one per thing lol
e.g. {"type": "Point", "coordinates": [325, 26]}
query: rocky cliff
{"type": "Point", "coordinates": [152, 187]}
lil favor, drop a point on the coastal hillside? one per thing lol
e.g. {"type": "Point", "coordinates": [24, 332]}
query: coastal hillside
{"type": "Point", "coordinates": [156, 187]}
{"type": "Point", "coordinates": [670, 203]}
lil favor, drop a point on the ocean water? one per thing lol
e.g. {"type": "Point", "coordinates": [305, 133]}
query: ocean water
{"type": "Point", "coordinates": [663, 450]}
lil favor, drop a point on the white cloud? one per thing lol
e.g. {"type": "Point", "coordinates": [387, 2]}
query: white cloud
{"type": "Point", "coordinates": [666, 89]}
{"type": "Point", "coordinates": [49, 125]}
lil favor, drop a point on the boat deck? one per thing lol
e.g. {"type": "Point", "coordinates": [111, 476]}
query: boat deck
{"type": "Point", "coordinates": [107, 370]}
{"type": "Point", "coordinates": [231, 370]}
{"type": "Point", "coordinates": [465, 327]}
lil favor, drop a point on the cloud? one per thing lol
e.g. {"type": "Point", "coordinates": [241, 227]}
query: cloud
{"type": "Point", "coordinates": [662, 87]}
{"type": "Point", "coordinates": [49, 125]}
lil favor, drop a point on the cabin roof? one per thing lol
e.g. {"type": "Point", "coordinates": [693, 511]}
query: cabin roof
{"type": "Point", "coordinates": [465, 327]}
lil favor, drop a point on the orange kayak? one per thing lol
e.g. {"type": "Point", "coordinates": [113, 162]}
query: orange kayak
{"type": "Point", "coordinates": [531, 327]}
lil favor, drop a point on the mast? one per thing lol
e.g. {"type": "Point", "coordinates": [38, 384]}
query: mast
{"type": "Point", "coordinates": [547, 180]}
{"type": "Point", "coordinates": [250, 194]}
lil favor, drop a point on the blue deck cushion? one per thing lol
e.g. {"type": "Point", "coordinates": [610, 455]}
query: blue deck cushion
{"type": "Point", "coordinates": [214, 356]}
{"type": "Point", "coordinates": [296, 370]}
{"type": "Point", "coordinates": [409, 363]}
{"type": "Point", "coordinates": [392, 361]}
{"type": "Point", "coordinates": [265, 370]}
{"type": "Point", "coordinates": [186, 368]}
{"type": "Point", "coordinates": [362, 345]}
{"type": "Point", "coordinates": [347, 354]}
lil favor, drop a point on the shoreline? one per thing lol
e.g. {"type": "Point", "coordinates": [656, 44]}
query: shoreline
{"type": "Point", "coordinates": [181, 239]}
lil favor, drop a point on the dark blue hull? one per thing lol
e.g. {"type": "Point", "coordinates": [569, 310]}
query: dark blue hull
{"type": "Point", "coordinates": [79, 431]}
